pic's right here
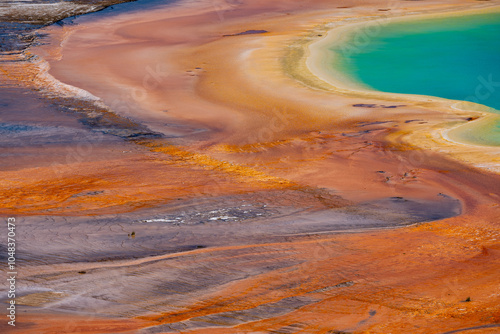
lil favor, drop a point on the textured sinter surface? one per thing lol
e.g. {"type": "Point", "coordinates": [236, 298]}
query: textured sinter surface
{"type": "Point", "coordinates": [172, 172]}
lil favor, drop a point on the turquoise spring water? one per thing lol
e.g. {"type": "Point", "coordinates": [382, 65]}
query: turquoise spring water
{"type": "Point", "coordinates": [455, 58]}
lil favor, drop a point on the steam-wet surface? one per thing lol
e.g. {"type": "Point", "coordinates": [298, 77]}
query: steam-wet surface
{"type": "Point", "coordinates": [37, 133]}
{"type": "Point", "coordinates": [20, 20]}
{"type": "Point", "coordinates": [234, 237]}
{"type": "Point", "coordinates": [36, 129]}
{"type": "Point", "coordinates": [113, 220]}
{"type": "Point", "coordinates": [212, 222]}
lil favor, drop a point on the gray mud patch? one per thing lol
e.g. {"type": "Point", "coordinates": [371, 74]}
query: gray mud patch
{"type": "Point", "coordinates": [35, 133]}
{"type": "Point", "coordinates": [161, 259]}
{"type": "Point", "coordinates": [235, 318]}
{"type": "Point", "coordinates": [417, 210]}
{"type": "Point", "coordinates": [191, 224]}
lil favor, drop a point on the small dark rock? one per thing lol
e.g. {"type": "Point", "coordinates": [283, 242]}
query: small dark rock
{"type": "Point", "coordinates": [248, 32]}
{"type": "Point", "coordinates": [364, 105]}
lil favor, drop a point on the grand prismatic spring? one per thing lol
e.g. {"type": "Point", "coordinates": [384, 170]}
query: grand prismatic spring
{"type": "Point", "coordinates": [249, 166]}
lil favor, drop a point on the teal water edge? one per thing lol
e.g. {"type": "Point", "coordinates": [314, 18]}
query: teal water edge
{"type": "Point", "coordinates": [455, 58]}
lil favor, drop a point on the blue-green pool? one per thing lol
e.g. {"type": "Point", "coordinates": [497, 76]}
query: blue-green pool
{"type": "Point", "coordinates": [455, 58]}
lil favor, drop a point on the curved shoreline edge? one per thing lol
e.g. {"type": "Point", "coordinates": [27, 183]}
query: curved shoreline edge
{"type": "Point", "coordinates": [445, 137]}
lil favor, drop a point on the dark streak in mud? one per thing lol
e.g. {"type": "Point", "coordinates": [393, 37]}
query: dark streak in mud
{"type": "Point", "coordinates": [473, 328]}
{"type": "Point", "coordinates": [248, 32]}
